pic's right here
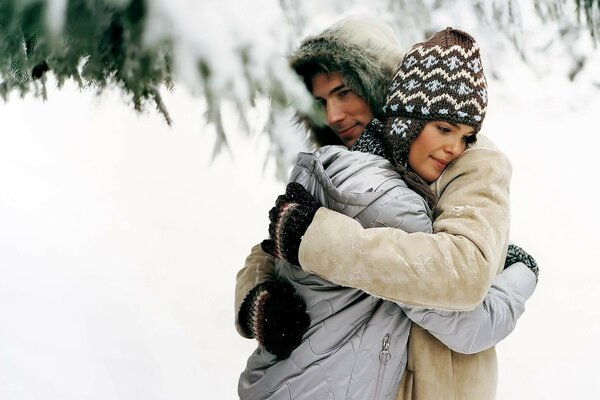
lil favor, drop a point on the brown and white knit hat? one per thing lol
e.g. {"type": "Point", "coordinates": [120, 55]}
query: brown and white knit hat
{"type": "Point", "coordinates": [438, 79]}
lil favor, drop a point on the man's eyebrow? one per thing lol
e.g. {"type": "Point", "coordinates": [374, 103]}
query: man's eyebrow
{"type": "Point", "coordinates": [337, 89]}
{"type": "Point", "coordinates": [332, 91]}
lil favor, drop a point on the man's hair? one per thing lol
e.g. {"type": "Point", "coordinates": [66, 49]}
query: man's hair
{"type": "Point", "coordinates": [364, 52]}
{"type": "Point", "coordinates": [309, 71]}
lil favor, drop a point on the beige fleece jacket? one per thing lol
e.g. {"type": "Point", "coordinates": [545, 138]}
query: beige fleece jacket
{"type": "Point", "coordinates": [451, 269]}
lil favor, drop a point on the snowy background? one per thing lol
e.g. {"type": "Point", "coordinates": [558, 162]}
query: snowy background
{"type": "Point", "coordinates": [120, 239]}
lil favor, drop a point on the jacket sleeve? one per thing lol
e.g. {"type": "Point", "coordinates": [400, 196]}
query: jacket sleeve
{"type": "Point", "coordinates": [451, 269]}
{"type": "Point", "coordinates": [400, 208]}
{"type": "Point", "coordinates": [259, 268]}
{"type": "Point", "coordinates": [473, 331]}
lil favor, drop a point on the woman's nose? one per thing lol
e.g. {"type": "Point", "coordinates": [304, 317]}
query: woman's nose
{"type": "Point", "coordinates": [455, 146]}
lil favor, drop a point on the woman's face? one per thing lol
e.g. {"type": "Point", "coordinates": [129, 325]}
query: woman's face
{"type": "Point", "coordinates": [438, 144]}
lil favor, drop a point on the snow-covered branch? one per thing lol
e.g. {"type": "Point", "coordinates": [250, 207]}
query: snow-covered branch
{"type": "Point", "coordinates": [235, 52]}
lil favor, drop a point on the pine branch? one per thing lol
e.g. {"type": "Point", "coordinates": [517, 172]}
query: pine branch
{"type": "Point", "coordinates": [101, 45]}
{"type": "Point", "coordinates": [590, 9]}
{"type": "Point", "coordinates": [139, 46]}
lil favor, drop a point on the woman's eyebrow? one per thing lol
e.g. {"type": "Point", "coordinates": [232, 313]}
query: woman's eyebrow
{"type": "Point", "coordinates": [458, 127]}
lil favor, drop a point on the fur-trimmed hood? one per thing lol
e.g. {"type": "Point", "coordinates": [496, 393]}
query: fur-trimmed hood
{"type": "Point", "coordinates": [365, 52]}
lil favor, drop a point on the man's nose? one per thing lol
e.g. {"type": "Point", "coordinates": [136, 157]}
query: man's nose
{"type": "Point", "coordinates": [335, 113]}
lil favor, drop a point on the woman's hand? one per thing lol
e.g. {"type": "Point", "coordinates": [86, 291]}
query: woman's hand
{"type": "Point", "coordinates": [290, 218]}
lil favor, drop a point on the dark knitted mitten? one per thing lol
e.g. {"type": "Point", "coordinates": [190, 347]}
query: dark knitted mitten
{"type": "Point", "coordinates": [290, 218]}
{"type": "Point", "coordinates": [516, 254]}
{"type": "Point", "coordinates": [275, 315]}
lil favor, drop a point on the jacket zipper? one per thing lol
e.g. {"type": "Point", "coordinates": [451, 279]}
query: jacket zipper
{"type": "Point", "coordinates": [384, 358]}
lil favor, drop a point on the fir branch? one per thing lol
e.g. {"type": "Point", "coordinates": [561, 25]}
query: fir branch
{"type": "Point", "coordinates": [590, 9]}
{"type": "Point", "coordinates": [100, 46]}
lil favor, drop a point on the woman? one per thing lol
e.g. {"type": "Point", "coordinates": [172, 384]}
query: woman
{"type": "Point", "coordinates": [356, 344]}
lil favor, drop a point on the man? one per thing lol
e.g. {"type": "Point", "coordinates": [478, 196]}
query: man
{"type": "Point", "coordinates": [473, 255]}
{"type": "Point", "coordinates": [366, 53]}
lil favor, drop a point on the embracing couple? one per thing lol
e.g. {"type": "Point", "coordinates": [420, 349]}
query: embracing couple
{"type": "Point", "coordinates": [388, 273]}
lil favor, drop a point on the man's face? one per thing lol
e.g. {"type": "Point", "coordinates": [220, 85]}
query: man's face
{"type": "Point", "coordinates": [347, 114]}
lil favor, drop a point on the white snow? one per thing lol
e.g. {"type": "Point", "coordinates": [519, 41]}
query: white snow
{"type": "Point", "coordinates": [119, 241]}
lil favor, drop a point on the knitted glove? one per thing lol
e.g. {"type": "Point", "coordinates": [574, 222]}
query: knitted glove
{"type": "Point", "coordinates": [516, 254]}
{"type": "Point", "coordinates": [290, 218]}
{"type": "Point", "coordinates": [275, 315]}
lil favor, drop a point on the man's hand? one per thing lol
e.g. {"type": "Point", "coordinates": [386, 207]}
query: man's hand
{"type": "Point", "coordinates": [290, 218]}
{"type": "Point", "coordinates": [275, 315]}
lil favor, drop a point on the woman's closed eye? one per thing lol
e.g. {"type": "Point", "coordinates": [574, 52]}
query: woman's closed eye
{"type": "Point", "coordinates": [444, 129]}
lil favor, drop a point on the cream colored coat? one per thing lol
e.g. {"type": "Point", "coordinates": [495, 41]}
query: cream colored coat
{"type": "Point", "coordinates": [452, 269]}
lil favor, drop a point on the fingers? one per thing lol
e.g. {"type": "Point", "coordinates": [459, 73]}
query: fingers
{"type": "Point", "coordinates": [295, 192]}
{"type": "Point", "coordinates": [293, 188]}
{"type": "Point", "coordinates": [282, 345]}
{"type": "Point", "coordinates": [268, 246]}
{"type": "Point", "coordinates": [284, 319]}
{"type": "Point", "coordinates": [284, 331]}
{"type": "Point", "coordinates": [273, 218]}
{"type": "Point", "coordinates": [289, 219]}
{"type": "Point", "coordinates": [281, 200]}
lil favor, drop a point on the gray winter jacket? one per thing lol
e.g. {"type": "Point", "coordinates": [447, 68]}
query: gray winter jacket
{"type": "Point", "coordinates": [356, 345]}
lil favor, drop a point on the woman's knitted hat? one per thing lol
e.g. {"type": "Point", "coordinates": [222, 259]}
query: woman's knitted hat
{"type": "Point", "coordinates": [439, 79]}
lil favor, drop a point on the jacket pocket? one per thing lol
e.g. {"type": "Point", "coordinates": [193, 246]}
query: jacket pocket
{"type": "Point", "coordinates": [384, 358]}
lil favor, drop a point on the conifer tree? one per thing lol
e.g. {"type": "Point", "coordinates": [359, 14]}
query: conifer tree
{"type": "Point", "coordinates": [139, 47]}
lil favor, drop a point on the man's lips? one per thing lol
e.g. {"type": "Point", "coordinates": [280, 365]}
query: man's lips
{"type": "Point", "coordinates": [346, 131]}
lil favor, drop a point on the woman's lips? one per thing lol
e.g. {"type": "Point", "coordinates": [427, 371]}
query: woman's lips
{"type": "Point", "coordinates": [440, 163]}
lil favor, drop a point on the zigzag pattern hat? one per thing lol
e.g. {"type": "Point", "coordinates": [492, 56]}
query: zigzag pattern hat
{"type": "Point", "coordinates": [439, 79]}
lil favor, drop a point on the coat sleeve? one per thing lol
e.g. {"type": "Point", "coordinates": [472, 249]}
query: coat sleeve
{"type": "Point", "coordinates": [451, 269]}
{"type": "Point", "coordinates": [473, 331]}
{"type": "Point", "coordinates": [400, 208]}
{"type": "Point", "coordinates": [258, 268]}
